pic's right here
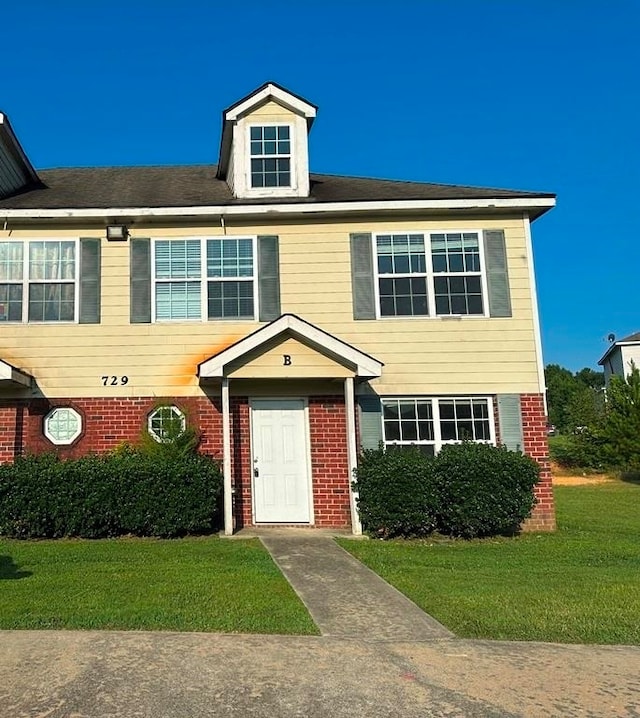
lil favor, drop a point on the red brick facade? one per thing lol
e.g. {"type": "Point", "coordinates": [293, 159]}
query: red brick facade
{"type": "Point", "coordinates": [536, 445]}
{"type": "Point", "coordinates": [107, 423]}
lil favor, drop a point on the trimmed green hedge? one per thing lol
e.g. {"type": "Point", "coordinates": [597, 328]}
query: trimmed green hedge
{"type": "Point", "coordinates": [468, 490]}
{"type": "Point", "coordinates": [120, 493]}
{"type": "Point", "coordinates": [396, 493]}
{"type": "Point", "coordinates": [483, 490]}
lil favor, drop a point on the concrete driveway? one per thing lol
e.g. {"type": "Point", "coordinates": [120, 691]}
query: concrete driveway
{"type": "Point", "coordinates": [179, 675]}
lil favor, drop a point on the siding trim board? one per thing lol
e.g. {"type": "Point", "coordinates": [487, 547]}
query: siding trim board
{"type": "Point", "coordinates": [535, 206]}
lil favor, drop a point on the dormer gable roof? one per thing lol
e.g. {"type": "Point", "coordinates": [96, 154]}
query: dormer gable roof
{"type": "Point", "coordinates": [269, 91]}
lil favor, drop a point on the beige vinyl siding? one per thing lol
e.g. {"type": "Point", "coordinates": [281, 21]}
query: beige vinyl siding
{"type": "Point", "coordinates": [271, 112]}
{"type": "Point", "coordinates": [305, 363]}
{"type": "Point", "coordinates": [471, 355]}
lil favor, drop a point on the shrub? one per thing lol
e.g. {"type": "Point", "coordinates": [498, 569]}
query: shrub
{"type": "Point", "coordinates": [583, 450]}
{"type": "Point", "coordinates": [483, 490]}
{"type": "Point", "coordinates": [123, 492]}
{"type": "Point", "coordinates": [396, 496]}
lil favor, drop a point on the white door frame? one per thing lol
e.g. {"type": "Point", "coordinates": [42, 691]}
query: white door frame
{"type": "Point", "coordinates": [307, 437]}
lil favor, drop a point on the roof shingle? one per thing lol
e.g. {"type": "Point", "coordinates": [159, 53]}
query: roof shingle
{"type": "Point", "coordinates": [197, 186]}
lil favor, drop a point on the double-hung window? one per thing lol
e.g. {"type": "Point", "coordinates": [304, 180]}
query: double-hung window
{"type": "Point", "coordinates": [402, 275]}
{"type": "Point", "coordinates": [429, 423]}
{"type": "Point", "coordinates": [38, 281]}
{"type": "Point", "coordinates": [211, 278]}
{"type": "Point", "coordinates": [230, 279]}
{"type": "Point", "coordinates": [457, 278]}
{"type": "Point", "coordinates": [178, 271]}
{"type": "Point", "coordinates": [431, 274]}
{"type": "Point", "coordinates": [270, 155]}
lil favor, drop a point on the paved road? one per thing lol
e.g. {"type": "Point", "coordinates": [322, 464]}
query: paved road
{"type": "Point", "coordinates": [73, 674]}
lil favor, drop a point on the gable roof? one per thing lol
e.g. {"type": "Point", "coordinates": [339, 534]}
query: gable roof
{"type": "Point", "coordinates": [625, 341]}
{"type": "Point", "coordinates": [264, 93]}
{"type": "Point", "coordinates": [197, 186]}
{"type": "Point", "coordinates": [290, 325]}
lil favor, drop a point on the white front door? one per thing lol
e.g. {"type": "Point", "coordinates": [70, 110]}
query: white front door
{"type": "Point", "coordinates": [280, 461]}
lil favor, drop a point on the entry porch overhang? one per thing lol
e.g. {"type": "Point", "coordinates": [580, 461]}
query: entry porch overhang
{"type": "Point", "coordinates": [360, 365]}
{"type": "Point", "coordinates": [10, 376]}
{"type": "Point", "coordinates": [289, 348]}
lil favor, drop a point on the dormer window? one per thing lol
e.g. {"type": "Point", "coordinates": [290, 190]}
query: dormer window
{"type": "Point", "coordinates": [264, 151]}
{"type": "Point", "coordinates": [270, 156]}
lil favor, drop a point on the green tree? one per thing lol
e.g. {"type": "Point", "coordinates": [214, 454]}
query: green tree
{"type": "Point", "coordinates": [561, 385]}
{"type": "Point", "coordinates": [591, 378]}
{"type": "Point", "coordinates": [574, 400]}
{"type": "Point", "coordinates": [621, 426]}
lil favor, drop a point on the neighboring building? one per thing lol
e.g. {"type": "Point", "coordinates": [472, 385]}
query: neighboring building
{"type": "Point", "coordinates": [621, 356]}
{"type": "Point", "coordinates": [290, 317]}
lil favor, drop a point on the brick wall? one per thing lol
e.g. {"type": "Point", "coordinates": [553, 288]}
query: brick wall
{"type": "Point", "coordinates": [329, 461]}
{"type": "Point", "coordinates": [106, 424]}
{"type": "Point", "coordinates": [241, 462]}
{"type": "Point", "coordinates": [536, 445]}
{"type": "Point", "coordinates": [11, 429]}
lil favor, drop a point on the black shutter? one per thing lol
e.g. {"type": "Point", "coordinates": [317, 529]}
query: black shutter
{"type": "Point", "coordinates": [89, 281]}
{"type": "Point", "coordinates": [140, 281]}
{"type": "Point", "coordinates": [497, 274]}
{"type": "Point", "coordinates": [364, 302]}
{"type": "Point", "coordinates": [268, 278]}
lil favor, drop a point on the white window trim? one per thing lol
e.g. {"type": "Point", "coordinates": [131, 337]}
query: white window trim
{"type": "Point", "coordinates": [177, 410]}
{"type": "Point", "coordinates": [430, 276]}
{"type": "Point", "coordinates": [203, 279]}
{"type": "Point", "coordinates": [437, 442]}
{"type": "Point", "coordinates": [62, 442]}
{"type": "Point", "coordinates": [271, 191]}
{"type": "Point", "coordinates": [25, 282]}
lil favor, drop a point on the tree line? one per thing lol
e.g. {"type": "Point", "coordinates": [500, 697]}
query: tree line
{"type": "Point", "coordinates": [594, 427]}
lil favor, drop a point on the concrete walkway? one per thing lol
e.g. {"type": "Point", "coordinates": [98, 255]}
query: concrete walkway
{"type": "Point", "coordinates": [345, 598]}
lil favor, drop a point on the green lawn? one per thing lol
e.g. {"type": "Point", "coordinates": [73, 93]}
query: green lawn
{"type": "Point", "coordinates": [194, 584]}
{"type": "Point", "coordinates": [579, 585]}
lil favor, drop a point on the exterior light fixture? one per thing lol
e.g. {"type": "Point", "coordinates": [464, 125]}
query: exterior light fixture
{"type": "Point", "coordinates": [117, 233]}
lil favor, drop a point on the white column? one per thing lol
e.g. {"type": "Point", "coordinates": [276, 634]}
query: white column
{"type": "Point", "coordinates": [226, 458]}
{"type": "Point", "coordinates": [352, 452]}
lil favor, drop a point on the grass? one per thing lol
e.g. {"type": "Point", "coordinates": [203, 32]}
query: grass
{"type": "Point", "coordinates": [193, 584]}
{"type": "Point", "coordinates": [579, 585]}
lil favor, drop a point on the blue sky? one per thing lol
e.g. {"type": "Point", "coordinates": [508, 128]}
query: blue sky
{"type": "Point", "coordinates": [526, 95]}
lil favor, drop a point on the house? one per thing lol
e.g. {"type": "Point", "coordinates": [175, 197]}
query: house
{"type": "Point", "coordinates": [621, 356]}
{"type": "Point", "coordinates": [291, 318]}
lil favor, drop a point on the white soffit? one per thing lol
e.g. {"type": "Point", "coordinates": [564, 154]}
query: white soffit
{"type": "Point", "coordinates": [291, 325]}
{"type": "Point", "coordinates": [11, 374]}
